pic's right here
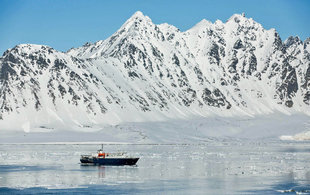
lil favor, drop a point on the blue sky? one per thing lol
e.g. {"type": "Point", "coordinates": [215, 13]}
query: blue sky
{"type": "Point", "coordinates": [63, 24]}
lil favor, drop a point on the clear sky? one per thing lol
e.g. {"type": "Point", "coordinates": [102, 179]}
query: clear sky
{"type": "Point", "coordinates": [63, 24]}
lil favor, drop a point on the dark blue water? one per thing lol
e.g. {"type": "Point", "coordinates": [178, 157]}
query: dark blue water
{"type": "Point", "coordinates": [211, 168]}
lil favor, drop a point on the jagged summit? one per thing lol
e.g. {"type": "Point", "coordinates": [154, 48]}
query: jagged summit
{"type": "Point", "coordinates": [292, 40]}
{"type": "Point", "coordinates": [138, 14]}
{"type": "Point", "coordinates": [27, 48]}
{"type": "Point", "coordinates": [243, 21]}
{"type": "Point", "coordinates": [237, 18]}
{"type": "Point", "coordinates": [146, 72]}
{"type": "Point", "coordinates": [136, 21]}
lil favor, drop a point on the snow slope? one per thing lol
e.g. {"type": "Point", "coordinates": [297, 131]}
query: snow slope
{"type": "Point", "coordinates": [186, 131]}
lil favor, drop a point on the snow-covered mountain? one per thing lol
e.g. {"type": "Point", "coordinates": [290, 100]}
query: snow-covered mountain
{"type": "Point", "coordinates": [149, 72]}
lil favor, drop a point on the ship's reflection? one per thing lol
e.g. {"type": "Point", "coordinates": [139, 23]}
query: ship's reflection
{"type": "Point", "coordinates": [101, 171]}
{"type": "Point", "coordinates": [109, 172]}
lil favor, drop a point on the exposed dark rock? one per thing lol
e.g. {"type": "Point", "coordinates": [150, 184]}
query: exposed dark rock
{"type": "Point", "coordinates": [289, 103]}
{"type": "Point", "coordinates": [307, 98]}
{"type": "Point", "coordinates": [238, 44]}
{"type": "Point", "coordinates": [292, 41]}
{"type": "Point", "coordinates": [175, 60]}
{"type": "Point", "coordinates": [133, 74]}
{"type": "Point", "coordinates": [59, 64]}
{"type": "Point", "coordinates": [215, 98]}
{"type": "Point", "coordinates": [6, 71]}
{"type": "Point", "coordinates": [289, 85]}
{"type": "Point", "coordinates": [277, 42]}
{"type": "Point", "coordinates": [62, 90]}
{"type": "Point", "coordinates": [214, 52]}
{"type": "Point", "coordinates": [199, 74]}
{"type": "Point", "coordinates": [252, 64]}
{"type": "Point", "coordinates": [306, 84]}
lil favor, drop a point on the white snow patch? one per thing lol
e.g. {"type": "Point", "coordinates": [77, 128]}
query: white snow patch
{"type": "Point", "coordinates": [26, 127]}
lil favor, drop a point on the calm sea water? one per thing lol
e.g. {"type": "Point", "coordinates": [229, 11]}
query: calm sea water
{"type": "Point", "coordinates": [226, 167]}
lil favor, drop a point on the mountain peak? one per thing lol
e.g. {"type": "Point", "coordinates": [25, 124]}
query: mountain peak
{"type": "Point", "coordinates": [292, 40]}
{"type": "Point", "coordinates": [138, 14]}
{"type": "Point", "coordinates": [237, 18]}
{"type": "Point", "coordinates": [137, 19]}
{"type": "Point", "coordinates": [28, 48]}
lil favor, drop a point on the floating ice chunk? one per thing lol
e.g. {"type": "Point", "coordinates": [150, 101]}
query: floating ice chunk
{"type": "Point", "coordinates": [303, 136]}
{"type": "Point", "coordinates": [298, 137]}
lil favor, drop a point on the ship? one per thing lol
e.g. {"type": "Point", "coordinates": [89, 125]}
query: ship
{"type": "Point", "coordinates": [108, 159]}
